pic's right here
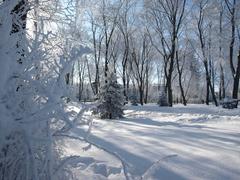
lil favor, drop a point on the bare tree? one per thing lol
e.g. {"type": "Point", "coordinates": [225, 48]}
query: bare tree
{"type": "Point", "coordinates": [125, 29]}
{"type": "Point", "coordinates": [201, 35]}
{"type": "Point", "coordinates": [109, 24]}
{"type": "Point", "coordinates": [167, 17]}
{"type": "Point", "coordinates": [81, 66]}
{"type": "Point", "coordinates": [235, 69]}
{"type": "Point", "coordinates": [222, 91]}
{"type": "Point", "coordinates": [97, 39]}
{"type": "Point", "coordinates": [141, 62]}
{"type": "Point", "coordinates": [180, 74]}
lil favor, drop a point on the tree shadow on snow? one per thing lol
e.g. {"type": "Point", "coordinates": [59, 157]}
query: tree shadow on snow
{"type": "Point", "coordinates": [149, 122]}
{"type": "Point", "coordinates": [191, 109]}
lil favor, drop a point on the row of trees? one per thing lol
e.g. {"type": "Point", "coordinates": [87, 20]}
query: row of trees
{"type": "Point", "coordinates": [180, 45]}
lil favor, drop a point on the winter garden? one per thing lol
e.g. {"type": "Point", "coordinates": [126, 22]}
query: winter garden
{"type": "Point", "coordinates": [119, 89]}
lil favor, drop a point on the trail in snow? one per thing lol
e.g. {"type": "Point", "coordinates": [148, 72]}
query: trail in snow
{"type": "Point", "coordinates": [194, 142]}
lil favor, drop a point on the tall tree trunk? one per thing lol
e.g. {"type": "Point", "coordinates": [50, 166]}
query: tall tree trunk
{"type": "Point", "coordinates": [146, 88]}
{"type": "Point", "coordinates": [141, 96]}
{"type": "Point", "coordinates": [106, 66]}
{"type": "Point", "coordinates": [169, 77]}
{"type": "Point", "coordinates": [124, 82]}
{"type": "Point", "coordinates": [236, 79]}
{"type": "Point", "coordinates": [124, 66]}
{"type": "Point", "coordinates": [205, 59]}
{"type": "Point", "coordinates": [231, 47]}
{"type": "Point", "coordinates": [207, 91]}
{"type": "Point", "coordinates": [171, 64]}
{"type": "Point", "coordinates": [140, 84]}
{"type": "Point", "coordinates": [184, 101]}
{"type": "Point", "coordinates": [169, 91]}
{"type": "Point", "coordinates": [213, 93]}
{"type": "Point", "coordinates": [222, 81]}
{"type": "Point", "coordinates": [80, 88]}
{"type": "Point", "coordinates": [169, 86]}
{"type": "Point", "coordinates": [93, 86]}
{"type": "Point", "coordinates": [235, 72]}
{"type": "Point", "coordinates": [97, 80]}
{"type": "Point", "coordinates": [127, 86]}
{"type": "Point", "coordinates": [222, 84]}
{"type": "Point", "coordinates": [209, 85]}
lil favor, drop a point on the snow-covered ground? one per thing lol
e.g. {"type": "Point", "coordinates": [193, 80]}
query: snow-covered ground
{"type": "Point", "coordinates": [151, 142]}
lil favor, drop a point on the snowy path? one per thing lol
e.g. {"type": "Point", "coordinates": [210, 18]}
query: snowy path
{"type": "Point", "coordinates": [195, 142]}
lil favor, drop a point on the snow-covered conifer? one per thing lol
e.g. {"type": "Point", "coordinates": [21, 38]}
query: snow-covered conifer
{"type": "Point", "coordinates": [111, 99]}
{"type": "Point", "coordinates": [163, 99]}
{"type": "Point", "coordinates": [134, 100]}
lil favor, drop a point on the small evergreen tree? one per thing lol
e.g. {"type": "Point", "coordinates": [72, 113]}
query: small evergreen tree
{"type": "Point", "coordinates": [134, 100]}
{"type": "Point", "coordinates": [163, 99]}
{"type": "Point", "coordinates": [111, 99]}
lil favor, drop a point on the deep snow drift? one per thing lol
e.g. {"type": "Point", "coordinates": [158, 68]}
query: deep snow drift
{"type": "Point", "coordinates": [151, 142]}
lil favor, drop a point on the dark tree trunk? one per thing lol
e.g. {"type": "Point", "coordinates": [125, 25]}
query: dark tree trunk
{"type": "Point", "coordinates": [67, 78]}
{"type": "Point", "coordinates": [236, 79]}
{"type": "Point", "coordinates": [146, 90]}
{"type": "Point", "coordinates": [127, 88]}
{"type": "Point", "coordinates": [81, 72]}
{"type": "Point", "coordinates": [235, 72]}
{"type": "Point", "coordinates": [180, 70]}
{"type": "Point", "coordinates": [124, 66]}
{"type": "Point", "coordinates": [209, 86]}
{"type": "Point", "coordinates": [140, 84]}
{"type": "Point", "coordinates": [205, 59]}
{"type": "Point", "coordinates": [97, 80]}
{"type": "Point", "coordinates": [207, 91]}
{"type": "Point", "coordinates": [231, 48]}
{"type": "Point", "coordinates": [124, 82]}
{"type": "Point", "coordinates": [169, 91]}
{"type": "Point", "coordinates": [171, 65]}
{"type": "Point", "coordinates": [169, 78]}
{"type": "Point", "coordinates": [213, 93]}
{"type": "Point", "coordinates": [106, 68]}
{"type": "Point", "coordinates": [184, 101]}
{"type": "Point", "coordinates": [141, 95]}
{"type": "Point", "coordinates": [147, 84]}
{"type": "Point", "coordinates": [222, 84]}
{"type": "Point", "coordinates": [222, 81]}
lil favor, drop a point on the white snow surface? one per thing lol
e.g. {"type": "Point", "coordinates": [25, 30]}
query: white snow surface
{"type": "Point", "coordinates": [151, 142]}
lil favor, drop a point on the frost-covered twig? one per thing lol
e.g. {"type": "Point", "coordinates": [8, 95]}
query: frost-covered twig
{"type": "Point", "coordinates": [59, 167]}
{"type": "Point", "coordinates": [124, 165]}
{"type": "Point", "coordinates": [155, 165]}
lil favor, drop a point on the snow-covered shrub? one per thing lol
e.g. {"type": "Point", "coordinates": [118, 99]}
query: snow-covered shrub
{"type": "Point", "coordinates": [32, 111]}
{"type": "Point", "coordinates": [111, 99]}
{"type": "Point", "coordinates": [163, 99]}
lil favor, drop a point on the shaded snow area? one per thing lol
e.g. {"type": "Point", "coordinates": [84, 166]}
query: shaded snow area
{"type": "Point", "coordinates": [151, 142]}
